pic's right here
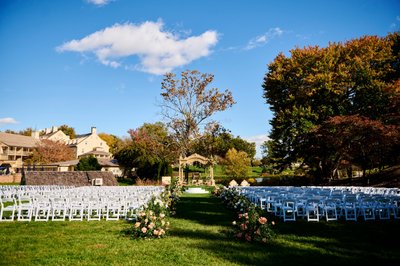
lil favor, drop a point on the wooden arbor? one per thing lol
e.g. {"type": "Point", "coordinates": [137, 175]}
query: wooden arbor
{"type": "Point", "coordinates": [195, 158]}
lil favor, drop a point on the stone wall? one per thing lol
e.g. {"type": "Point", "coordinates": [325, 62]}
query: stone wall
{"type": "Point", "coordinates": [76, 178]}
{"type": "Point", "coordinates": [15, 178]}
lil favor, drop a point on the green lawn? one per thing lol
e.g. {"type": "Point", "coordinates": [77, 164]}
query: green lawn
{"type": "Point", "coordinates": [199, 237]}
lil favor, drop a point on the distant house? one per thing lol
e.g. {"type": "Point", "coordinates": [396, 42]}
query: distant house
{"type": "Point", "coordinates": [107, 165]}
{"type": "Point", "coordinates": [14, 148]}
{"type": "Point", "coordinates": [90, 145]}
{"type": "Point", "coordinates": [54, 134]}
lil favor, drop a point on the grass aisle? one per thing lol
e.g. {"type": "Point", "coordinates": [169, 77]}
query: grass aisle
{"type": "Point", "coordinates": [198, 237]}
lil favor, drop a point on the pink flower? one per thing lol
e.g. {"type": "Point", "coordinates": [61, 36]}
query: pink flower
{"type": "Point", "coordinates": [155, 232]}
{"type": "Point", "coordinates": [262, 220]}
{"type": "Point", "coordinates": [137, 224]}
{"type": "Point", "coordinates": [240, 215]}
{"type": "Point", "coordinates": [151, 225]}
{"type": "Point", "coordinates": [243, 227]}
{"type": "Point", "coordinates": [144, 230]}
{"type": "Point", "coordinates": [248, 237]}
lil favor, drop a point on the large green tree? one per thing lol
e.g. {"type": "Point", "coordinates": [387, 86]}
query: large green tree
{"type": "Point", "coordinates": [89, 163]}
{"type": "Point", "coordinates": [358, 77]}
{"type": "Point", "coordinates": [151, 151]}
{"type": "Point", "coordinates": [236, 164]}
{"type": "Point", "coordinates": [187, 103]}
{"type": "Point", "coordinates": [216, 141]}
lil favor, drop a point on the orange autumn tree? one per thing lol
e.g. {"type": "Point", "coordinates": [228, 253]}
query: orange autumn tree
{"type": "Point", "coordinates": [49, 151]}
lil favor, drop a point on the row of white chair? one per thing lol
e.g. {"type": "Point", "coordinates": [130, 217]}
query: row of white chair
{"type": "Point", "coordinates": [331, 204]}
{"type": "Point", "coordinates": [75, 204]}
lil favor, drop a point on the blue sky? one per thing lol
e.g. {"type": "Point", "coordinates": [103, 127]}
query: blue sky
{"type": "Point", "coordinates": [100, 63]}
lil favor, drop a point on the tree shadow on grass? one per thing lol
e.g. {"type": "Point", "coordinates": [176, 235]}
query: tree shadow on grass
{"type": "Point", "coordinates": [299, 243]}
{"type": "Point", "coordinates": [205, 210]}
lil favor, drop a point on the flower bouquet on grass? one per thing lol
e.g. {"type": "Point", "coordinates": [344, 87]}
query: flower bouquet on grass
{"type": "Point", "coordinates": [149, 225]}
{"type": "Point", "coordinates": [151, 221]}
{"type": "Point", "coordinates": [251, 226]}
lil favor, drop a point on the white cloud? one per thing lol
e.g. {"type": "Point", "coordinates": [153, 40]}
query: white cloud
{"type": "Point", "coordinates": [263, 39]}
{"type": "Point", "coordinates": [99, 2]}
{"type": "Point", "coordinates": [7, 120]}
{"type": "Point", "coordinates": [258, 140]}
{"type": "Point", "coordinates": [159, 51]}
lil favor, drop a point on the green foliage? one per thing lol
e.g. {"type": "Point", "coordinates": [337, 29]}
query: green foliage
{"type": "Point", "coordinates": [89, 163]}
{"type": "Point", "coordinates": [151, 151]}
{"type": "Point", "coordinates": [359, 77]}
{"type": "Point", "coordinates": [115, 143]}
{"type": "Point", "coordinates": [69, 131]}
{"type": "Point", "coordinates": [237, 164]}
{"type": "Point", "coordinates": [216, 141]}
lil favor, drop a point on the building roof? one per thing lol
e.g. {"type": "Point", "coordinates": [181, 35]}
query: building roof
{"type": "Point", "coordinates": [96, 152]}
{"type": "Point", "coordinates": [16, 140]}
{"type": "Point", "coordinates": [102, 162]}
{"type": "Point", "coordinates": [46, 136]}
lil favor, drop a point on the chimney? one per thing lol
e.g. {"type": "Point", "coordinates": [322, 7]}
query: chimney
{"type": "Point", "coordinates": [35, 134]}
{"type": "Point", "coordinates": [54, 129]}
{"type": "Point", "coordinates": [94, 131]}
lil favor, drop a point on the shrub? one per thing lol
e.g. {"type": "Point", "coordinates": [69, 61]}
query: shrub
{"type": "Point", "coordinates": [151, 222]}
{"type": "Point", "coordinates": [152, 219]}
{"type": "Point", "coordinates": [251, 225]}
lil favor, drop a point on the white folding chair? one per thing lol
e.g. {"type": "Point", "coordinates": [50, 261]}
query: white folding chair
{"type": "Point", "coordinates": [330, 210]}
{"type": "Point", "coordinates": [113, 210]}
{"type": "Point", "coordinates": [58, 209]}
{"type": "Point", "coordinates": [25, 208]}
{"type": "Point", "coordinates": [312, 210]}
{"type": "Point", "coordinates": [7, 209]}
{"type": "Point", "coordinates": [75, 207]}
{"type": "Point", "coordinates": [289, 210]}
{"type": "Point", "coordinates": [42, 209]}
{"type": "Point", "coordinates": [94, 210]}
{"type": "Point", "coordinates": [350, 209]}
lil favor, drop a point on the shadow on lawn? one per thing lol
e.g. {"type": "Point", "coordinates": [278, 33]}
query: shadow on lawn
{"type": "Point", "coordinates": [299, 243]}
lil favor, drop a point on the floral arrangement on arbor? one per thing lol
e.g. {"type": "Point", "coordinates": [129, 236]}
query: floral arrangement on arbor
{"type": "Point", "coordinates": [251, 224]}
